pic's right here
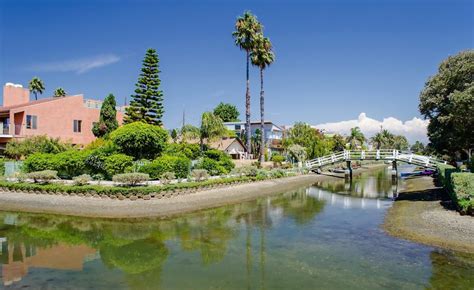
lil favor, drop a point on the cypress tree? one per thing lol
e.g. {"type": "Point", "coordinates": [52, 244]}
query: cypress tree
{"type": "Point", "coordinates": [108, 117]}
{"type": "Point", "coordinates": [147, 102]}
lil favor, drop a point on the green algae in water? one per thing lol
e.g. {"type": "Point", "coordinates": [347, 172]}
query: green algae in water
{"type": "Point", "coordinates": [322, 237]}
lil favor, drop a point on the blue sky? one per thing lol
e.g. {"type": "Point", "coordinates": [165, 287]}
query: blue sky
{"type": "Point", "coordinates": [334, 59]}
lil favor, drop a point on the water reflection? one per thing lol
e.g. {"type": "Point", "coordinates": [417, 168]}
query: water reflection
{"type": "Point", "coordinates": [139, 249]}
{"type": "Point", "coordinates": [294, 240]}
{"type": "Point", "coordinates": [366, 185]}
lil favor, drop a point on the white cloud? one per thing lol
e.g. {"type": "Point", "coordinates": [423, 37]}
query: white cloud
{"type": "Point", "coordinates": [414, 129]}
{"type": "Point", "coordinates": [78, 66]}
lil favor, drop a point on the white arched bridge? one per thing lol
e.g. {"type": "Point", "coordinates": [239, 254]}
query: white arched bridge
{"type": "Point", "coordinates": [382, 154]}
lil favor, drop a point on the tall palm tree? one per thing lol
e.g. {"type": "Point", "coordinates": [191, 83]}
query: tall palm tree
{"type": "Point", "coordinates": [59, 92]}
{"type": "Point", "coordinates": [356, 137]}
{"type": "Point", "coordinates": [246, 28]}
{"type": "Point", "coordinates": [378, 140]}
{"type": "Point", "coordinates": [262, 56]}
{"type": "Point", "coordinates": [36, 86]}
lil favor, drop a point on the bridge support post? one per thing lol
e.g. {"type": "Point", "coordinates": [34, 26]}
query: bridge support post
{"type": "Point", "coordinates": [348, 173]}
{"type": "Point", "coordinates": [394, 171]}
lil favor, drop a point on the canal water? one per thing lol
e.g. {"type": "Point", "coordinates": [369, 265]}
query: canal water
{"type": "Point", "coordinates": [326, 236]}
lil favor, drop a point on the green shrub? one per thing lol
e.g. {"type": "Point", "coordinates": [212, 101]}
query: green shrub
{"type": "Point", "coordinates": [278, 159]}
{"type": "Point", "coordinates": [215, 154]}
{"type": "Point", "coordinates": [463, 191]}
{"type": "Point", "coordinates": [212, 166]}
{"type": "Point", "coordinates": [70, 163]}
{"type": "Point", "coordinates": [95, 161]}
{"type": "Point", "coordinates": [117, 164]}
{"type": "Point", "coordinates": [199, 174]}
{"type": "Point", "coordinates": [179, 165]}
{"type": "Point", "coordinates": [39, 162]}
{"type": "Point", "coordinates": [262, 174]}
{"type": "Point", "coordinates": [248, 170]}
{"type": "Point", "coordinates": [444, 174]}
{"type": "Point", "coordinates": [140, 140]}
{"type": "Point", "coordinates": [277, 173]}
{"type": "Point", "coordinates": [228, 164]}
{"type": "Point", "coordinates": [191, 151]}
{"type": "Point", "coordinates": [36, 144]}
{"type": "Point", "coordinates": [2, 167]}
{"type": "Point", "coordinates": [130, 179]}
{"type": "Point", "coordinates": [81, 180]}
{"type": "Point", "coordinates": [98, 177]}
{"type": "Point", "coordinates": [167, 177]}
{"type": "Point", "coordinates": [43, 176]}
{"type": "Point", "coordinates": [222, 158]}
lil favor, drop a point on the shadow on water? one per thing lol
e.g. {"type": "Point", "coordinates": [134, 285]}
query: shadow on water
{"type": "Point", "coordinates": [297, 239]}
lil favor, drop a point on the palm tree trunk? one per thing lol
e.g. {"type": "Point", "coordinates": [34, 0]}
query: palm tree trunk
{"type": "Point", "coordinates": [262, 121]}
{"type": "Point", "coordinates": [247, 107]}
{"type": "Point", "coordinates": [36, 96]}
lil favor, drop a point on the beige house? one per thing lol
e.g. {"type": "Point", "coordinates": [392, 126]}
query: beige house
{"type": "Point", "coordinates": [232, 146]}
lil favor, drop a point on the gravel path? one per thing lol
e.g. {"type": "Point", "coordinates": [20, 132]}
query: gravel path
{"type": "Point", "coordinates": [423, 213]}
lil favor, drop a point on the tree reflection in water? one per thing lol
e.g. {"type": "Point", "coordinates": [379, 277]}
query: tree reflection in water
{"type": "Point", "coordinates": [144, 249]}
{"type": "Point", "coordinates": [138, 248]}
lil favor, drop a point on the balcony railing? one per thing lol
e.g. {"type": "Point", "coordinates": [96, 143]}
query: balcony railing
{"type": "Point", "coordinates": [12, 129]}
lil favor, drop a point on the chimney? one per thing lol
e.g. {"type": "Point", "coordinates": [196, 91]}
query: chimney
{"type": "Point", "coordinates": [15, 94]}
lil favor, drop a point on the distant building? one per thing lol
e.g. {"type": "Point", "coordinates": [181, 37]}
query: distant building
{"type": "Point", "coordinates": [272, 132]}
{"type": "Point", "coordinates": [69, 118]}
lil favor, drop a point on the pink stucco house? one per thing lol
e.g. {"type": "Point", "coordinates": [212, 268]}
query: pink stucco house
{"type": "Point", "coordinates": [69, 118]}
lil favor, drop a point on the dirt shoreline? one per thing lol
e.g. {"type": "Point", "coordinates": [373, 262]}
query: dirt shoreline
{"type": "Point", "coordinates": [424, 213]}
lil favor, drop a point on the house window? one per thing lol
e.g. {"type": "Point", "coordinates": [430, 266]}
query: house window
{"type": "Point", "coordinates": [31, 122]}
{"type": "Point", "coordinates": [237, 127]}
{"type": "Point", "coordinates": [77, 126]}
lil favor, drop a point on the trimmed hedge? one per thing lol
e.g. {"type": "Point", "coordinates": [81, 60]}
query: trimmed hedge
{"type": "Point", "coordinates": [462, 185]}
{"type": "Point", "coordinates": [140, 140]}
{"type": "Point", "coordinates": [444, 173]}
{"type": "Point", "coordinates": [2, 167]}
{"type": "Point", "coordinates": [459, 186]}
{"type": "Point", "coordinates": [68, 163]}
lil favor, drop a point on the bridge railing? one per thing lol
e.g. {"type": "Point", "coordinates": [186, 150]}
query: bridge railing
{"type": "Point", "coordinates": [382, 154]}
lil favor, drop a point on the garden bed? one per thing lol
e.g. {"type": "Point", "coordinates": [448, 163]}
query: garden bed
{"type": "Point", "coordinates": [126, 192]}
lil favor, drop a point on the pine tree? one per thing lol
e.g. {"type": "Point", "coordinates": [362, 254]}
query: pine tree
{"type": "Point", "coordinates": [108, 117]}
{"type": "Point", "coordinates": [147, 102]}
